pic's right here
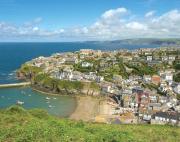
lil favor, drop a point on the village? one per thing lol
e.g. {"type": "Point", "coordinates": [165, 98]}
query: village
{"type": "Point", "coordinates": [142, 85]}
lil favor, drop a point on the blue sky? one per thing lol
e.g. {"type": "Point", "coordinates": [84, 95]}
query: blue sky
{"type": "Point", "coordinates": [69, 20]}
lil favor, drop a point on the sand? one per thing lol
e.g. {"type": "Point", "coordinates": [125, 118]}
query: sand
{"type": "Point", "coordinates": [89, 108]}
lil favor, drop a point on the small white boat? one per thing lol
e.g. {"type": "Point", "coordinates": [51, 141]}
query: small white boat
{"type": "Point", "coordinates": [50, 106]}
{"type": "Point", "coordinates": [54, 98]}
{"type": "Point", "coordinates": [29, 95]}
{"type": "Point", "coordinates": [19, 103]}
{"type": "Point", "coordinates": [47, 98]}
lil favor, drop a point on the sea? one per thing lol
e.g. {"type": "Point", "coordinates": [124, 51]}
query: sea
{"type": "Point", "coordinates": [13, 55]}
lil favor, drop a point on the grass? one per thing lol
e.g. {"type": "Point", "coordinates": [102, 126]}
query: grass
{"type": "Point", "coordinates": [20, 125]}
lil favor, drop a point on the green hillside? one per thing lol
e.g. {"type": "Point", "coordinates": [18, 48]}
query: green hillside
{"type": "Point", "coordinates": [17, 124]}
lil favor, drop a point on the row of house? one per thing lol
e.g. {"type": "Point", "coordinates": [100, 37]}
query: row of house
{"type": "Point", "coordinates": [69, 74]}
{"type": "Point", "coordinates": [130, 93]}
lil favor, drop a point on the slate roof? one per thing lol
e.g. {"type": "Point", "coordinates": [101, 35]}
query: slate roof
{"type": "Point", "coordinates": [169, 115]}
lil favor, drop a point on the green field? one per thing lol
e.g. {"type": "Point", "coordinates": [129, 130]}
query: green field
{"type": "Point", "coordinates": [17, 124]}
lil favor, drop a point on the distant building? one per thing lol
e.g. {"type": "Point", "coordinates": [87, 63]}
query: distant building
{"type": "Point", "coordinates": [156, 79]}
{"type": "Point", "coordinates": [86, 51]}
{"type": "Point", "coordinates": [99, 78]}
{"type": "Point", "coordinates": [147, 78]}
{"type": "Point", "coordinates": [177, 89]}
{"type": "Point", "coordinates": [169, 77]}
{"type": "Point", "coordinates": [166, 118]}
{"type": "Point", "coordinates": [86, 64]}
{"type": "Point", "coordinates": [149, 58]}
{"type": "Point", "coordinates": [172, 58]}
{"type": "Point", "coordinates": [69, 60]}
{"type": "Point", "coordinates": [164, 58]}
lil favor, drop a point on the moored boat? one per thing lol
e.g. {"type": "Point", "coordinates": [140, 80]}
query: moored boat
{"type": "Point", "coordinates": [19, 102]}
{"type": "Point", "coordinates": [47, 98]}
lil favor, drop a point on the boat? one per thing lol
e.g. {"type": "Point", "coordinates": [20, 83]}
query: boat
{"type": "Point", "coordinates": [54, 98]}
{"type": "Point", "coordinates": [47, 98]}
{"type": "Point", "coordinates": [11, 74]}
{"type": "Point", "coordinates": [50, 106]}
{"type": "Point", "coordinates": [19, 102]}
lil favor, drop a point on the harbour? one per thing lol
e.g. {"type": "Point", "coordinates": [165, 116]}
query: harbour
{"type": "Point", "coordinates": [60, 106]}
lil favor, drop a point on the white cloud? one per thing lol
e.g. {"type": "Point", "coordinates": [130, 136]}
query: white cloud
{"type": "Point", "coordinates": [114, 13]}
{"type": "Point", "coordinates": [165, 25]}
{"type": "Point", "coordinates": [150, 14]}
{"type": "Point", "coordinates": [136, 26]}
{"type": "Point", "coordinates": [112, 24]}
{"type": "Point", "coordinates": [35, 29]}
{"type": "Point", "coordinates": [61, 30]}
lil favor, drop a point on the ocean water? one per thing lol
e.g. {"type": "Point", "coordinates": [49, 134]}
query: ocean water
{"type": "Point", "coordinates": [61, 106]}
{"type": "Point", "coordinates": [12, 55]}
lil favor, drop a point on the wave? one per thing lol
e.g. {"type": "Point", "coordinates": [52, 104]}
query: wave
{"type": "Point", "coordinates": [3, 74]}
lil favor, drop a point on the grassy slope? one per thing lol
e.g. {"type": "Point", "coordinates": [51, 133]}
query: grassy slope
{"type": "Point", "coordinates": [17, 124]}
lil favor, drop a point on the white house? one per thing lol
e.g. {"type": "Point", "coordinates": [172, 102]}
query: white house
{"type": "Point", "coordinates": [177, 89]}
{"type": "Point", "coordinates": [86, 64]}
{"type": "Point", "coordinates": [147, 78]}
{"type": "Point", "coordinates": [76, 76]}
{"type": "Point", "coordinates": [164, 58]}
{"type": "Point", "coordinates": [168, 77]}
{"type": "Point", "coordinates": [149, 58]}
{"type": "Point", "coordinates": [163, 99]}
{"type": "Point", "coordinates": [109, 88]}
{"type": "Point", "coordinates": [165, 118]}
{"type": "Point", "coordinates": [172, 58]}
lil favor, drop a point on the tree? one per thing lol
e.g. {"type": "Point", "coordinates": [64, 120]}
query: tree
{"type": "Point", "coordinates": [177, 77]}
{"type": "Point", "coordinates": [176, 65]}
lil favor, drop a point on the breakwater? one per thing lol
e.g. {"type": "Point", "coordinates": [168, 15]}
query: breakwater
{"type": "Point", "coordinates": [15, 85]}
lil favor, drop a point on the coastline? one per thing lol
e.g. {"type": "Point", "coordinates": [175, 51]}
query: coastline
{"type": "Point", "coordinates": [87, 107]}
{"type": "Point", "coordinates": [47, 93]}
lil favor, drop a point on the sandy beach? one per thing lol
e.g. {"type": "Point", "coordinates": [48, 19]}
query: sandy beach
{"type": "Point", "coordinates": [89, 108]}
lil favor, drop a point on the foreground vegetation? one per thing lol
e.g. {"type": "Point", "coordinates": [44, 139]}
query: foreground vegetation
{"type": "Point", "coordinates": [17, 124]}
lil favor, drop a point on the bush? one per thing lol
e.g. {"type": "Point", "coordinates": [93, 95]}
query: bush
{"type": "Point", "coordinates": [42, 114]}
{"type": "Point", "coordinates": [16, 109]}
{"type": "Point", "coordinates": [176, 65]}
